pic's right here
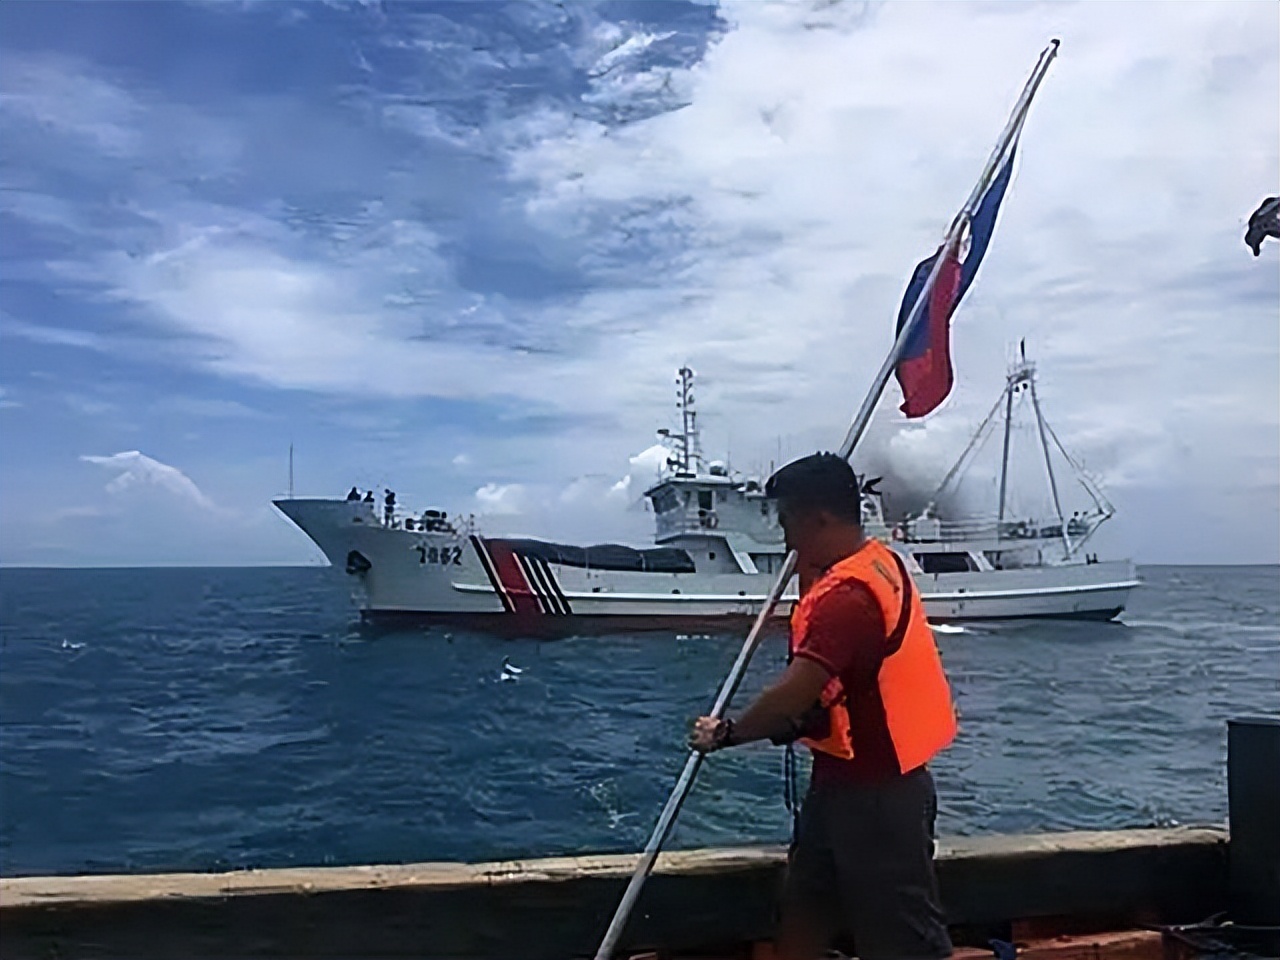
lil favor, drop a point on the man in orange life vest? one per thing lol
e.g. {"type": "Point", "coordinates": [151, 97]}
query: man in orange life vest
{"type": "Point", "coordinates": [866, 693]}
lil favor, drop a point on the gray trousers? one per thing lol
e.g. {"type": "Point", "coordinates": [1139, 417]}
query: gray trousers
{"type": "Point", "coordinates": [862, 866]}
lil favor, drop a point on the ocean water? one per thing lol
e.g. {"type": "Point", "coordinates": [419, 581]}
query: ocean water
{"type": "Point", "coordinates": [183, 719]}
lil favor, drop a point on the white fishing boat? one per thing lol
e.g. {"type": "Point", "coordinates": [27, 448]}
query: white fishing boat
{"type": "Point", "coordinates": [717, 547]}
{"type": "Point", "coordinates": [1002, 565]}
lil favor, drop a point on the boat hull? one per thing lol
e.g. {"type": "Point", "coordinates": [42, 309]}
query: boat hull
{"type": "Point", "coordinates": [459, 577]}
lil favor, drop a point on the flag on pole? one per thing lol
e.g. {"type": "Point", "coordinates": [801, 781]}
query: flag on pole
{"type": "Point", "coordinates": [924, 370]}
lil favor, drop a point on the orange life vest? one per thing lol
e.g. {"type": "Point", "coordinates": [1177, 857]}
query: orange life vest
{"type": "Point", "coordinates": [917, 701]}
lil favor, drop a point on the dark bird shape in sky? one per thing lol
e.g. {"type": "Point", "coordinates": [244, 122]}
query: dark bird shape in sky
{"type": "Point", "coordinates": [1265, 222]}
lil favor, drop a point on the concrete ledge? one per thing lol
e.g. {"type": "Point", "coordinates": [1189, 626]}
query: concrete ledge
{"type": "Point", "coordinates": [127, 888]}
{"type": "Point", "coordinates": [559, 907]}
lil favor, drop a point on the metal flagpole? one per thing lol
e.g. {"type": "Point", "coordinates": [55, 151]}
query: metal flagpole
{"type": "Point", "coordinates": [730, 686]}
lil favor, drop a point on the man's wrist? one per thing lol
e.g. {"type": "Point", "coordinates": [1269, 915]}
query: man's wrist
{"type": "Point", "coordinates": [725, 734]}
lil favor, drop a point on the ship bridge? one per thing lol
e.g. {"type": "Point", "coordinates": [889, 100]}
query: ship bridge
{"type": "Point", "coordinates": [722, 519]}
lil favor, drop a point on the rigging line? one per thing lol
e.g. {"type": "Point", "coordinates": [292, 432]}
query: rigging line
{"type": "Point", "coordinates": [983, 445]}
{"type": "Point", "coordinates": [1099, 498]}
{"type": "Point", "coordinates": [977, 451]}
{"type": "Point", "coordinates": [951, 474]}
{"type": "Point", "coordinates": [1048, 466]}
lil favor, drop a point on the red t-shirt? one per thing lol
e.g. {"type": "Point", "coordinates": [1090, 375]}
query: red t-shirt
{"type": "Point", "coordinates": [848, 638]}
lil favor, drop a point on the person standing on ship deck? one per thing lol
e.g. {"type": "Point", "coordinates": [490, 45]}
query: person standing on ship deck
{"type": "Point", "coordinates": [865, 691]}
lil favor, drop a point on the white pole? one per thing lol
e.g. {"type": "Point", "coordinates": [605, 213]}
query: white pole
{"type": "Point", "coordinates": [681, 790]}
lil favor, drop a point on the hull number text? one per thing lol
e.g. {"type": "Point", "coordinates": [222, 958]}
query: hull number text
{"type": "Point", "coordinates": [440, 555]}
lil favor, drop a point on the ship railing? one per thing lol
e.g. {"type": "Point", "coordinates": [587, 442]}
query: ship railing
{"type": "Point", "coordinates": [428, 521]}
{"type": "Point", "coordinates": [952, 530]}
{"type": "Point", "coordinates": [704, 522]}
{"type": "Point", "coordinates": [993, 529]}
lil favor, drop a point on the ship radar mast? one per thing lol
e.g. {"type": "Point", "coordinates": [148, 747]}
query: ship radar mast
{"type": "Point", "coordinates": [686, 458]}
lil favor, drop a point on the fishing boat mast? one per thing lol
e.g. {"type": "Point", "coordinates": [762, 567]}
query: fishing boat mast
{"type": "Point", "coordinates": [1044, 446]}
{"type": "Point", "coordinates": [1022, 378]}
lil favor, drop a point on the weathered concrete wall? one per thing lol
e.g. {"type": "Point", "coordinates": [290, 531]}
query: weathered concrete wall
{"type": "Point", "coordinates": [558, 908]}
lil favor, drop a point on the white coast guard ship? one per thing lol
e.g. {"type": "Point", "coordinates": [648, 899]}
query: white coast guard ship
{"type": "Point", "coordinates": [717, 546]}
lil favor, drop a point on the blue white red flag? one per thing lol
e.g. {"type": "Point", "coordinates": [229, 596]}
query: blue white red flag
{"type": "Point", "coordinates": [924, 369]}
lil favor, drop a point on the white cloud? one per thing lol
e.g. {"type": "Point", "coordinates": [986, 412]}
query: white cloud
{"type": "Point", "coordinates": [247, 309]}
{"type": "Point", "coordinates": [629, 48]}
{"type": "Point", "coordinates": [135, 472]}
{"type": "Point", "coordinates": [501, 499]}
{"type": "Point", "coordinates": [98, 120]}
{"type": "Point", "coordinates": [52, 335]}
{"type": "Point", "coordinates": [57, 96]}
{"type": "Point", "coordinates": [591, 507]}
{"type": "Point", "coordinates": [647, 467]}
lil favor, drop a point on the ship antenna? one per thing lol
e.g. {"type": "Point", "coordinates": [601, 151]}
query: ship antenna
{"type": "Point", "coordinates": [690, 448]}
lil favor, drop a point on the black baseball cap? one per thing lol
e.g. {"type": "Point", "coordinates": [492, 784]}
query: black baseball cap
{"type": "Point", "coordinates": [823, 480]}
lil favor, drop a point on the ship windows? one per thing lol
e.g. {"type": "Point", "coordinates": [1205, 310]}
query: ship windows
{"type": "Point", "coordinates": [664, 501]}
{"type": "Point", "coordinates": [767, 562]}
{"type": "Point", "coordinates": [711, 555]}
{"type": "Point", "coordinates": [706, 500]}
{"type": "Point", "coordinates": [945, 562]}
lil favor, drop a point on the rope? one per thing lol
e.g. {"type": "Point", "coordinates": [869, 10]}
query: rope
{"type": "Point", "coordinates": [790, 789]}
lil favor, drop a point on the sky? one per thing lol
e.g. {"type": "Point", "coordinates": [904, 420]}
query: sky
{"type": "Point", "coordinates": [460, 250]}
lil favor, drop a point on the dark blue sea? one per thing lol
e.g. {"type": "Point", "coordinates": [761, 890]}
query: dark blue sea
{"type": "Point", "coordinates": [181, 719]}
